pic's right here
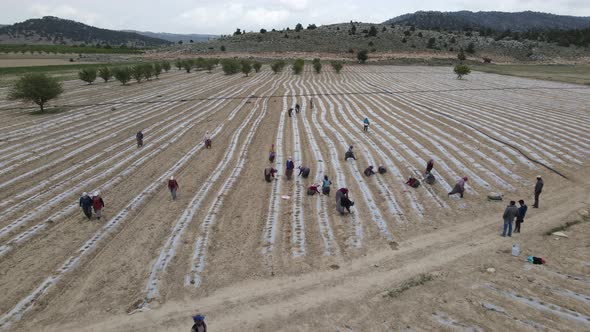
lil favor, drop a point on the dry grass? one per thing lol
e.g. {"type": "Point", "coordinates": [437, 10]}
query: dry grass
{"type": "Point", "coordinates": [419, 280]}
{"type": "Point", "coordinates": [578, 74]}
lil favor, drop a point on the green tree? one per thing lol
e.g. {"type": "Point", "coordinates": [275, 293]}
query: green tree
{"type": "Point", "coordinates": [337, 66]}
{"type": "Point", "coordinates": [166, 66]}
{"type": "Point", "coordinates": [298, 27]}
{"type": "Point", "coordinates": [122, 74]}
{"type": "Point", "coordinates": [238, 32]}
{"type": "Point", "coordinates": [37, 88]}
{"type": "Point", "coordinates": [431, 42]}
{"type": "Point", "coordinates": [262, 30]}
{"type": "Point", "coordinates": [105, 73]}
{"type": "Point", "coordinates": [462, 70]}
{"type": "Point", "coordinates": [372, 31]}
{"type": "Point", "coordinates": [137, 72]}
{"type": "Point", "coordinates": [317, 65]}
{"type": "Point", "coordinates": [362, 56]}
{"type": "Point", "coordinates": [298, 66]}
{"type": "Point", "coordinates": [157, 69]}
{"type": "Point", "coordinates": [210, 64]}
{"type": "Point", "coordinates": [257, 65]}
{"type": "Point", "coordinates": [470, 48]}
{"type": "Point", "coordinates": [277, 66]}
{"type": "Point", "coordinates": [246, 67]}
{"type": "Point", "coordinates": [461, 56]}
{"type": "Point", "coordinates": [222, 48]}
{"type": "Point", "coordinates": [87, 75]}
{"type": "Point", "coordinates": [148, 71]}
{"type": "Point", "coordinates": [311, 27]}
{"type": "Point", "coordinates": [187, 65]}
{"type": "Point", "coordinates": [230, 66]}
{"type": "Point", "coordinates": [178, 64]}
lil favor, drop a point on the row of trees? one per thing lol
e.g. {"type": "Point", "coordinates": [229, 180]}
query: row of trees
{"type": "Point", "coordinates": [124, 74]}
{"type": "Point", "coordinates": [66, 49]}
{"type": "Point", "coordinates": [198, 64]}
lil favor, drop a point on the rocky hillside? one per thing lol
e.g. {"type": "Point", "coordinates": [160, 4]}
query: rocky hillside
{"type": "Point", "coordinates": [500, 21]}
{"type": "Point", "coordinates": [174, 37]}
{"type": "Point", "coordinates": [53, 30]}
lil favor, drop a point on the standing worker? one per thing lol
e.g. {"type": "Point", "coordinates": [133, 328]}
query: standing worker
{"type": "Point", "coordinates": [509, 214]}
{"type": "Point", "coordinates": [521, 214]}
{"type": "Point", "coordinates": [538, 190]}
{"type": "Point", "coordinates": [173, 186]}
{"type": "Point", "coordinates": [271, 154]}
{"type": "Point", "coordinates": [459, 187]}
{"type": "Point", "coordinates": [429, 166]}
{"type": "Point", "coordinates": [366, 124]}
{"type": "Point", "coordinates": [207, 140]}
{"type": "Point", "coordinates": [297, 108]}
{"type": "Point", "coordinates": [290, 111]}
{"type": "Point", "coordinates": [86, 205]}
{"type": "Point", "coordinates": [326, 185]}
{"type": "Point", "coordinates": [290, 166]}
{"type": "Point", "coordinates": [311, 103]}
{"type": "Point", "coordinates": [139, 138]}
{"type": "Point", "coordinates": [97, 204]}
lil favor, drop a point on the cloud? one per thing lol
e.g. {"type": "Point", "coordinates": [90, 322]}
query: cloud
{"type": "Point", "coordinates": [293, 4]}
{"type": "Point", "coordinates": [65, 11]}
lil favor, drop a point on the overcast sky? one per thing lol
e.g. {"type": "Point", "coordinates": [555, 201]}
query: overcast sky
{"type": "Point", "coordinates": [224, 16]}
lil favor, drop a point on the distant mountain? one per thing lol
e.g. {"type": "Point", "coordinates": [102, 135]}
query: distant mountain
{"type": "Point", "coordinates": [54, 30]}
{"type": "Point", "coordinates": [521, 21]}
{"type": "Point", "coordinates": [173, 37]}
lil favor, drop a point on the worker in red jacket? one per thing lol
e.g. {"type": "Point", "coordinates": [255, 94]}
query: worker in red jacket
{"type": "Point", "coordinates": [97, 204]}
{"type": "Point", "coordinates": [173, 186]}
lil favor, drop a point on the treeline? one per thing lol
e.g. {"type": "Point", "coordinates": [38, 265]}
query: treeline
{"type": "Point", "coordinates": [577, 37]}
{"type": "Point", "coordinates": [124, 74]}
{"type": "Point", "coordinates": [68, 49]}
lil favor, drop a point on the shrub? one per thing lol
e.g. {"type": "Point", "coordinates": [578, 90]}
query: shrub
{"type": "Point", "coordinates": [404, 40]}
{"type": "Point", "coordinates": [453, 40]}
{"type": "Point", "coordinates": [372, 31]}
{"type": "Point", "coordinates": [461, 56]}
{"type": "Point", "coordinates": [166, 66]}
{"type": "Point", "coordinates": [362, 56]}
{"type": "Point", "coordinates": [262, 30]}
{"type": "Point", "coordinates": [222, 48]}
{"type": "Point", "coordinates": [178, 64]}
{"type": "Point", "coordinates": [317, 65]}
{"type": "Point", "coordinates": [157, 69]}
{"type": "Point", "coordinates": [420, 34]}
{"type": "Point", "coordinates": [257, 65]}
{"type": "Point", "coordinates": [187, 65]}
{"type": "Point", "coordinates": [246, 67]}
{"type": "Point", "coordinates": [487, 60]}
{"type": "Point", "coordinates": [37, 88]}
{"type": "Point", "coordinates": [122, 74]}
{"type": "Point", "coordinates": [238, 32]}
{"type": "Point", "coordinates": [298, 66]}
{"type": "Point", "coordinates": [277, 66]}
{"type": "Point", "coordinates": [137, 73]}
{"type": "Point", "coordinates": [298, 27]}
{"type": "Point", "coordinates": [337, 66]}
{"type": "Point", "coordinates": [431, 42]}
{"type": "Point", "coordinates": [462, 70]}
{"type": "Point", "coordinates": [87, 75]}
{"type": "Point", "coordinates": [210, 64]}
{"type": "Point", "coordinates": [470, 48]}
{"type": "Point", "coordinates": [230, 66]}
{"type": "Point", "coordinates": [311, 27]}
{"type": "Point", "coordinates": [105, 73]}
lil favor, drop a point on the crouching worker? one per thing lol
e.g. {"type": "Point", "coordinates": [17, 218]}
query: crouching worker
{"type": "Point", "coordinates": [313, 189]}
{"type": "Point", "coordinates": [413, 182]}
{"type": "Point", "coordinates": [269, 174]}
{"type": "Point", "coordinates": [381, 169]}
{"type": "Point", "coordinates": [349, 154]}
{"type": "Point", "coordinates": [459, 187]}
{"type": "Point", "coordinates": [369, 171]}
{"type": "Point", "coordinates": [326, 185]}
{"type": "Point", "coordinates": [304, 171]}
{"type": "Point", "coordinates": [342, 201]}
{"type": "Point", "coordinates": [199, 325]}
{"type": "Point", "coordinates": [430, 179]}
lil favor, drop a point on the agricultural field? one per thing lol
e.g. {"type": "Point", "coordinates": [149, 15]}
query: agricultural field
{"type": "Point", "coordinates": [253, 255]}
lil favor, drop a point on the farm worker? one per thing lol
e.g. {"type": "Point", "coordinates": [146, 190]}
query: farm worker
{"type": "Point", "coordinates": [269, 174]}
{"type": "Point", "coordinates": [304, 171]}
{"type": "Point", "coordinates": [86, 204]}
{"type": "Point", "coordinates": [289, 168]}
{"type": "Point", "coordinates": [290, 111]}
{"type": "Point", "coordinates": [349, 154]}
{"type": "Point", "coordinates": [173, 186]}
{"type": "Point", "coordinates": [430, 179]}
{"type": "Point", "coordinates": [369, 171]}
{"type": "Point", "coordinates": [207, 140]}
{"type": "Point", "coordinates": [97, 204]}
{"type": "Point", "coordinates": [311, 102]}
{"type": "Point", "coordinates": [459, 187]}
{"type": "Point", "coordinates": [199, 325]}
{"type": "Point", "coordinates": [139, 138]}
{"type": "Point", "coordinates": [346, 203]}
{"type": "Point", "coordinates": [509, 214]}
{"type": "Point", "coordinates": [429, 166]}
{"type": "Point", "coordinates": [340, 194]}
{"type": "Point", "coordinates": [538, 190]}
{"type": "Point", "coordinates": [296, 108]}
{"type": "Point", "coordinates": [326, 185]}
{"type": "Point", "coordinates": [520, 217]}
{"type": "Point", "coordinates": [313, 189]}
{"type": "Point", "coordinates": [271, 154]}
{"type": "Point", "coordinates": [366, 124]}
{"type": "Point", "coordinates": [413, 182]}
{"type": "Point", "coordinates": [381, 169]}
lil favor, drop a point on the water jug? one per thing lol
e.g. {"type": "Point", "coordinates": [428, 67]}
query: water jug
{"type": "Point", "coordinates": [515, 250]}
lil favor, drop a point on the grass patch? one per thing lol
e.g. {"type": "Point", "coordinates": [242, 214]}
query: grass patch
{"type": "Point", "coordinates": [419, 280]}
{"type": "Point", "coordinates": [565, 226]}
{"type": "Point", "coordinates": [577, 74]}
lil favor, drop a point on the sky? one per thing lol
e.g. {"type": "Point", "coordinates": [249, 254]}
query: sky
{"type": "Point", "coordinates": [224, 16]}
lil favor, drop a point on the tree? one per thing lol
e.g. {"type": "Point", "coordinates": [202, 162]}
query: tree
{"type": "Point", "coordinates": [461, 56]}
{"type": "Point", "coordinates": [230, 66]}
{"type": "Point", "coordinates": [362, 56]}
{"type": "Point", "coordinates": [462, 70]}
{"type": "Point", "coordinates": [257, 65]}
{"type": "Point", "coordinates": [147, 70]}
{"type": "Point", "coordinates": [210, 64]}
{"type": "Point", "coordinates": [37, 88]}
{"type": "Point", "coordinates": [311, 27]}
{"type": "Point", "coordinates": [137, 73]}
{"type": "Point", "coordinates": [420, 34]}
{"type": "Point", "coordinates": [246, 67]}
{"type": "Point", "coordinates": [384, 29]}
{"type": "Point", "coordinates": [222, 48]}
{"type": "Point", "coordinates": [187, 65]}
{"type": "Point", "coordinates": [122, 74]}
{"type": "Point", "coordinates": [238, 32]}
{"type": "Point", "coordinates": [317, 65]}
{"type": "Point", "coordinates": [180, 42]}
{"type": "Point", "coordinates": [298, 27]}
{"type": "Point", "coordinates": [353, 29]}
{"type": "Point", "coordinates": [87, 75]}
{"type": "Point", "coordinates": [372, 31]}
{"type": "Point", "coordinates": [431, 42]}
{"type": "Point", "coordinates": [262, 30]}
{"type": "Point", "coordinates": [277, 66]}
{"type": "Point", "coordinates": [470, 48]}
{"type": "Point", "coordinates": [105, 73]}
{"type": "Point", "coordinates": [298, 66]}
{"type": "Point", "coordinates": [166, 66]}
{"type": "Point", "coordinates": [157, 69]}
{"type": "Point", "coordinates": [337, 66]}
{"type": "Point", "coordinates": [178, 64]}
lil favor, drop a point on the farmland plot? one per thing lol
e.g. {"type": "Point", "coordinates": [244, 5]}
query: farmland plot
{"type": "Point", "coordinates": [228, 225]}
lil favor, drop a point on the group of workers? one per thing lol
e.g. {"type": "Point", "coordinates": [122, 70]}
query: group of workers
{"type": "Point", "coordinates": [89, 203]}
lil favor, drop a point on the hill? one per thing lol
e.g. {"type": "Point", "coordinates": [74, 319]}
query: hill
{"type": "Point", "coordinates": [520, 21]}
{"type": "Point", "coordinates": [54, 30]}
{"type": "Point", "coordinates": [174, 37]}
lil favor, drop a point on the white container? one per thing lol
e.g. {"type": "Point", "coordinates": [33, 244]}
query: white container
{"type": "Point", "coordinates": [515, 250]}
